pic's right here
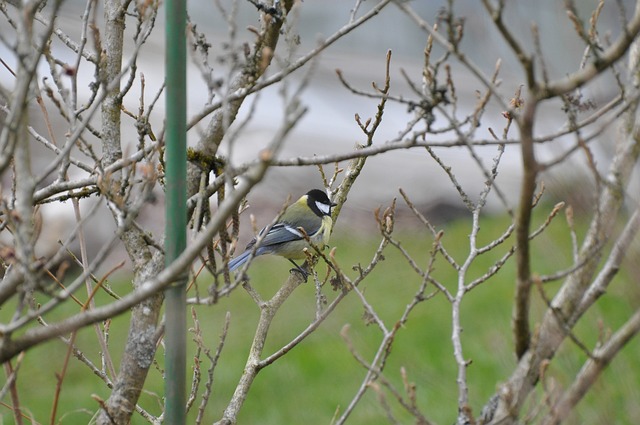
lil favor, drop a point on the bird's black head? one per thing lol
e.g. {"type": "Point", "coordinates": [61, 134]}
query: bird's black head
{"type": "Point", "coordinates": [319, 202]}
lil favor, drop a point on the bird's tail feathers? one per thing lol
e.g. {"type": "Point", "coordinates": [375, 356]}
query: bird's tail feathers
{"type": "Point", "coordinates": [239, 260]}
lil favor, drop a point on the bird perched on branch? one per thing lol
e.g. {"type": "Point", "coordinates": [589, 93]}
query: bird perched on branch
{"type": "Point", "coordinates": [309, 216]}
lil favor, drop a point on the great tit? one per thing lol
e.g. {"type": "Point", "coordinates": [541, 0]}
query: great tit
{"type": "Point", "coordinates": [312, 213]}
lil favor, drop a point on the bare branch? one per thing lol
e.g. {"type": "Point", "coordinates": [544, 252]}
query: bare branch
{"type": "Point", "coordinates": [520, 324]}
{"type": "Point", "coordinates": [592, 369]}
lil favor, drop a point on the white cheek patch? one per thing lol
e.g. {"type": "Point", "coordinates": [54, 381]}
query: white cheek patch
{"type": "Point", "coordinates": [326, 209]}
{"type": "Point", "coordinates": [294, 231]}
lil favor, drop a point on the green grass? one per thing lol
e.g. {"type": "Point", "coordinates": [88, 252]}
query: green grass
{"type": "Point", "coordinates": [320, 376]}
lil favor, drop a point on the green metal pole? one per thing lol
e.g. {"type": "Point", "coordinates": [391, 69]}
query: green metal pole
{"type": "Point", "coordinates": [175, 209]}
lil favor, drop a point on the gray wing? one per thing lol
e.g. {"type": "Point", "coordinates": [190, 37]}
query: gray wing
{"type": "Point", "coordinates": [288, 231]}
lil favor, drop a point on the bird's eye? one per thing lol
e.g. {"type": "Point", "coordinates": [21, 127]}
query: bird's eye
{"type": "Point", "coordinates": [324, 208]}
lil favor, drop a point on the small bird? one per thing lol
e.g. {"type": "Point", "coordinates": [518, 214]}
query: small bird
{"type": "Point", "coordinates": [311, 213]}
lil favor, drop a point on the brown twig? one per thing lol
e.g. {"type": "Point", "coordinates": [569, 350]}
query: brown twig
{"type": "Point", "coordinates": [60, 376]}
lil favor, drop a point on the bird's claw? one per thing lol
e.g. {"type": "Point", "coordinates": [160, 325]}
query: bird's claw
{"type": "Point", "coordinates": [305, 274]}
{"type": "Point", "coordinates": [297, 268]}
